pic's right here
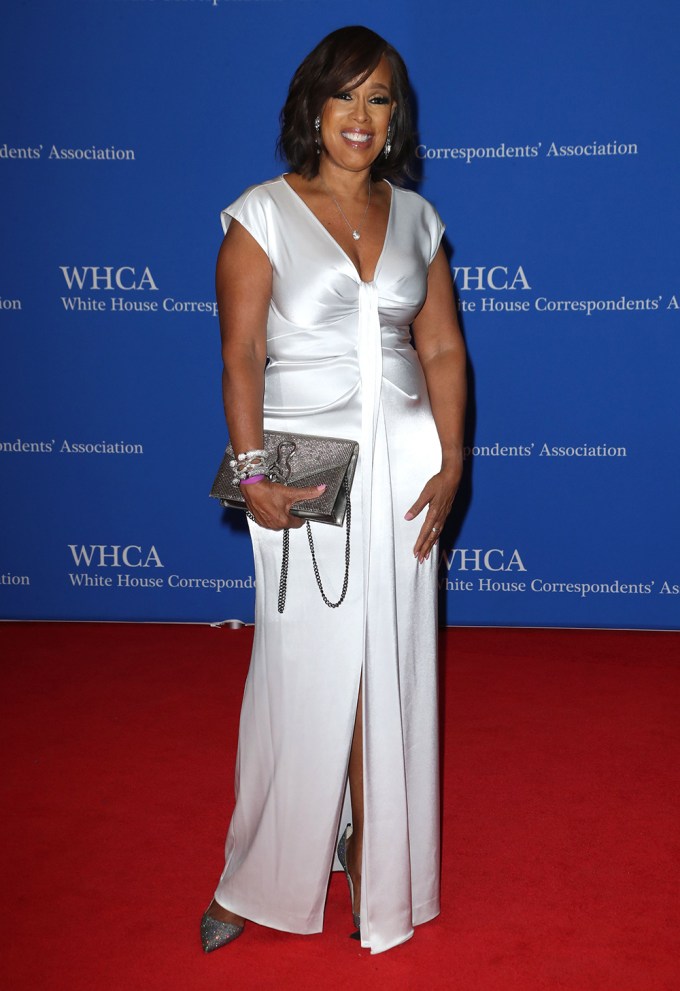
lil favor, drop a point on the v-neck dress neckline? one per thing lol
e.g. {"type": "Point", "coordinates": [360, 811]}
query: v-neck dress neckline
{"type": "Point", "coordinates": [337, 244]}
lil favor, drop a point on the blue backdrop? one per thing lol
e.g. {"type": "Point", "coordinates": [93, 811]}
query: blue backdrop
{"type": "Point", "coordinates": [548, 143]}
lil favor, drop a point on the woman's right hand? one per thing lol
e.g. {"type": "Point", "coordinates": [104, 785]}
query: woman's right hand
{"type": "Point", "coordinates": [270, 503]}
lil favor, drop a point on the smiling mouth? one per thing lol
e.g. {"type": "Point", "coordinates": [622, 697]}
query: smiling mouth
{"type": "Point", "coordinates": [357, 137]}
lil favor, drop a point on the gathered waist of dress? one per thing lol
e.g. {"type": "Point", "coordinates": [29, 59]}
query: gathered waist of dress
{"type": "Point", "coordinates": [315, 384]}
{"type": "Point", "coordinates": [328, 343]}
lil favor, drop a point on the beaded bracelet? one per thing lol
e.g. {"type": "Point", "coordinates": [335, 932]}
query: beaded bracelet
{"type": "Point", "coordinates": [248, 464]}
{"type": "Point", "coordinates": [247, 458]}
{"type": "Point", "coordinates": [246, 455]}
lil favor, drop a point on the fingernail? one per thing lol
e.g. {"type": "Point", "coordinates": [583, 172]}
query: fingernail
{"type": "Point", "coordinates": [409, 515]}
{"type": "Point", "coordinates": [321, 487]}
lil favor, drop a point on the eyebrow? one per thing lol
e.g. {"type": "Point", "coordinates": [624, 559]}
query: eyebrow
{"type": "Point", "coordinates": [349, 87]}
{"type": "Point", "coordinates": [386, 89]}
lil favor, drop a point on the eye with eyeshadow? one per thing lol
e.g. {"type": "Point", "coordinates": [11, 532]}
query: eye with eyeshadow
{"type": "Point", "coordinates": [378, 100]}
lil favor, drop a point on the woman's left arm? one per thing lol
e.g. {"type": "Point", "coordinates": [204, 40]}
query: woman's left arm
{"type": "Point", "coordinates": [441, 351]}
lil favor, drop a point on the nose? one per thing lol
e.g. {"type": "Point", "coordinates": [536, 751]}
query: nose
{"type": "Point", "coordinates": [361, 110]}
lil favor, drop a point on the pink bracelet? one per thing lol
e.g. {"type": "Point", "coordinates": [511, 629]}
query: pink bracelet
{"type": "Point", "coordinates": [252, 480]}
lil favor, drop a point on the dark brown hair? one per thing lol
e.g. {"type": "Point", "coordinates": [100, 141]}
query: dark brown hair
{"type": "Point", "coordinates": [348, 55]}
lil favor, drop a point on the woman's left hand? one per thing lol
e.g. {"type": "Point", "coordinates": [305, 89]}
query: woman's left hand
{"type": "Point", "coordinates": [438, 494]}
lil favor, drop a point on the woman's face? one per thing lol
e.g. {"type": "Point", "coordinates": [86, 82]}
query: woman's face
{"type": "Point", "coordinates": [354, 122]}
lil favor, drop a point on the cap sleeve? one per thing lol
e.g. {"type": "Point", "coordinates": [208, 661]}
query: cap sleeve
{"type": "Point", "coordinates": [436, 227]}
{"type": "Point", "coordinates": [249, 209]}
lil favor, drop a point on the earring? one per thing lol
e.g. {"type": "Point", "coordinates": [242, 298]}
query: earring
{"type": "Point", "coordinates": [317, 128]}
{"type": "Point", "coordinates": [388, 141]}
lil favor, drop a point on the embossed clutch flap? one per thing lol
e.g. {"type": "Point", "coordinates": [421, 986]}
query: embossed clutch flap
{"type": "Point", "coordinates": [299, 460]}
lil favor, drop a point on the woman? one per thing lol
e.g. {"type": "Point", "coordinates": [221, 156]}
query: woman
{"type": "Point", "coordinates": [320, 276]}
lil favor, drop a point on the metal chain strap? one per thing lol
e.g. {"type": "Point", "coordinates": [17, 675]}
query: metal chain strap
{"type": "Point", "coordinates": [283, 582]}
{"type": "Point", "coordinates": [345, 581]}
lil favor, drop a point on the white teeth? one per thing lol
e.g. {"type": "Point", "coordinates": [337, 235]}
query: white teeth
{"type": "Point", "coordinates": [359, 138]}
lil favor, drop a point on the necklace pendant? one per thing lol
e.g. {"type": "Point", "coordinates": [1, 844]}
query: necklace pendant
{"type": "Point", "coordinates": [356, 235]}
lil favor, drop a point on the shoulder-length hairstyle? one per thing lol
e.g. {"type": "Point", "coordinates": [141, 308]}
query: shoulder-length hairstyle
{"type": "Point", "coordinates": [348, 55]}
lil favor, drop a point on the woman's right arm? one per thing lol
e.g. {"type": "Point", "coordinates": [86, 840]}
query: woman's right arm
{"type": "Point", "coordinates": [244, 285]}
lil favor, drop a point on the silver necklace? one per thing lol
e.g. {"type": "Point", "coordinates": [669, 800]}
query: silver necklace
{"type": "Point", "coordinates": [356, 231]}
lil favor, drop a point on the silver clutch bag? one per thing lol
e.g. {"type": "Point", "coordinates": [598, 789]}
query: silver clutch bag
{"type": "Point", "coordinates": [299, 460]}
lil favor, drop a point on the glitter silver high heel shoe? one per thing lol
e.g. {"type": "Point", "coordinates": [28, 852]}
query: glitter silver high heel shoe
{"type": "Point", "coordinates": [215, 934]}
{"type": "Point", "coordinates": [342, 857]}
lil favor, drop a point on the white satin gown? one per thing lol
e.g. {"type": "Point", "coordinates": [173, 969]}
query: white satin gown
{"type": "Point", "coordinates": [341, 364]}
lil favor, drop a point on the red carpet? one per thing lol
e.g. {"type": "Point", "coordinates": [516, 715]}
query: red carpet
{"type": "Point", "coordinates": [561, 817]}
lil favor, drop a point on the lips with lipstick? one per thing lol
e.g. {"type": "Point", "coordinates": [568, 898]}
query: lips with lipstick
{"type": "Point", "coordinates": [357, 137]}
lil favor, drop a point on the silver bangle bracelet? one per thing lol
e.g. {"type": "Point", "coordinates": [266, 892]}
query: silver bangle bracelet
{"type": "Point", "coordinates": [251, 454]}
